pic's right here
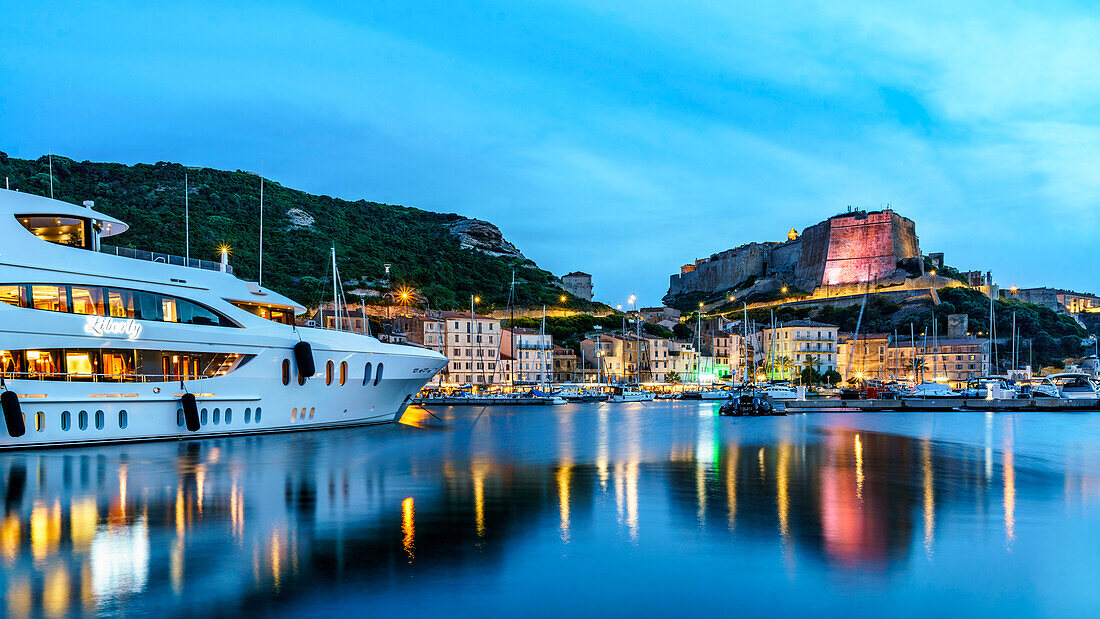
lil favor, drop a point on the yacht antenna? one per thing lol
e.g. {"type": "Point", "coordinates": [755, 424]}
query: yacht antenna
{"type": "Point", "coordinates": [260, 277]}
{"type": "Point", "coordinates": [51, 172]}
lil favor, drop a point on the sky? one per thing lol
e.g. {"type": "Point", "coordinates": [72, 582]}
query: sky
{"type": "Point", "coordinates": [619, 138]}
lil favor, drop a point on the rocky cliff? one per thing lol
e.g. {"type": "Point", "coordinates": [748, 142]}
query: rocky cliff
{"type": "Point", "coordinates": [484, 237]}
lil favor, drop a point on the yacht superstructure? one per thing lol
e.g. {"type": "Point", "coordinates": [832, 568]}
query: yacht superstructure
{"type": "Point", "coordinates": [100, 344]}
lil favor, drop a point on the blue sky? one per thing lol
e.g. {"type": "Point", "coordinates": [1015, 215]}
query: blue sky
{"type": "Point", "coordinates": [619, 138]}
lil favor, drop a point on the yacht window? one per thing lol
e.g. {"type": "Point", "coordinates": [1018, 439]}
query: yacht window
{"type": "Point", "coordinates": [286, 372]}
{"type": "Point", "coordinates": [80, 363]}
{"type": "Point", "coordinates": [70, 231]}
{"type": "Point", "coordinates": [366, 373]}
{"type": "Point", "coordinates": [168, 310]}
{"type": "Point", "coordinates": [9, 363]}
{"type": "Point", "coordinates": [343, 372]}
{"type": "Point", "coordinates": [120, 303]}
{"type": "Point", "coordinates": [87, 300]}
{"type": "Point", "coordinates": [41, 363]}
{"type": "Point", "coordinates": [378, 376]}
{"type": "Point", "coordinates": [122, 421]}
{"type": "Point", "coordinates": [49, 298]}
{"type": "Point", "coordinates": [118, 365]}
{"type": "Point", "coordinates": [279, 314]}
{"type": "Point", "coordinates": [13, 294]}
{"type": "Point", "coordinates": [328, 373]}
{"type": "Point", "coordinates": [99, 420]}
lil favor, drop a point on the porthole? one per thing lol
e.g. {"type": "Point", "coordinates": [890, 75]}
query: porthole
{"type": "Point", "coordinates": [228, 415]}
{"type": "Point", "coordinates": [202, 417]}
{"type": "Point", "coordinates": [378, 376]}
{"type": "Point", "coordinates": [311, 410]}
{"type": "Point", "coordinates": [39, 421]}
{"type": "Point", "coordinates": [366, 373]}
{"type": "Point", "coordinates": [343, 372]}
{"type": "Point", "coordinates": [122, 420]}
{"type": "Point", "coordinates": [247, 415]}
{"type": "Point", "coordinates": [217, 415]}
{"type": "Point", "coordinates": [259, 411]}
{"type": "Point", "coordinates": [328, 372]}
{"type": "Point", "coordinates": [301, 379]}
{"type": "Point", "coordinates": [179, 417]}
{"type": "Point", "coordinates": [99, 420]}
{"type": "Point", "coordinates": [286, 371]}
{"type": "Point", "coordinates": [82, 420]}
{"type": "Point", "coordinates": [66, 420]}
{"type": "Point", "coordinates": [293, 415]}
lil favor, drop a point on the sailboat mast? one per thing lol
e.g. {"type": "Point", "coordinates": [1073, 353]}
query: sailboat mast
{"type": "Point", "coordinates": [186, 221]}
{"type": "Point", "coordinates": [335, 298]}
{"type": "Point", "coordinates": [260, 276]}
{"type": "Point", "coordinates": [542, 360]}
{"type": "Point", "coordinates": [913, 350]}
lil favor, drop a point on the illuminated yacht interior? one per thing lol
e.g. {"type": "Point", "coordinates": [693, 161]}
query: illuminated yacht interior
{"type": "Point", "coordinates": [181, 338]}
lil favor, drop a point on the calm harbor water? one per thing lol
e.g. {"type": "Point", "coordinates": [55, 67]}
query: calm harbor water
{"type": "Point", "coordinates": [587, 509]}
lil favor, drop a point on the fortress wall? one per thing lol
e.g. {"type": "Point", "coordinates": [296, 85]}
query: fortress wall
{"type": "Point", "coordinates": [861, 248]}
{"type": "Point", "coordinates": [783, 258]}
{"type": "Point", "coordinates": [812, 255]}
{"type": "Point", "coordinates": [721, 271]}
{"type": "Point", "coordinates": [906, 242]}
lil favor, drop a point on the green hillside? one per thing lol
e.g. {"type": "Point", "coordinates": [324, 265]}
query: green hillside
{"type": "Point", "coordinates": [224, 208]}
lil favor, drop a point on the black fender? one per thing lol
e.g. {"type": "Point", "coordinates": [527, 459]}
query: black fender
{"type": "Point", "coordinates": [13, 414]}
{"type": "Point", "coordinates": [303, 357]}
{"type": "Point", "coordinates": [190, 412]}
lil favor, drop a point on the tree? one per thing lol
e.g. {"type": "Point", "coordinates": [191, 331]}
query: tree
{"type": "Point", "coordinates": [682, 331]}
{"type": "Point", "coordinates": [672, 377]}
{"type": "Point", "coordinates": [832, 377]}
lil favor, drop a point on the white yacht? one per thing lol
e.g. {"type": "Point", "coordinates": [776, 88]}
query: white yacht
{"type": "Point", "coordinates": [101, 345]}
{"type": "Point", "coordinates": [631, 394]}
{"type": "Point", "coordinates": [779, 392]}
{"type": "Point", "coordinates": [1076, 386]}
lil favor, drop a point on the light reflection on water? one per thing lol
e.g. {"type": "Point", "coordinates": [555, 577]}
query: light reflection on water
{"type": "Point", "coordinates": [637, 508]}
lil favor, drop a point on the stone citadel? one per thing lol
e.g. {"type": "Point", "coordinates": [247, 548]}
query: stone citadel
{"type": "Point", "coordinates": [851, 248]}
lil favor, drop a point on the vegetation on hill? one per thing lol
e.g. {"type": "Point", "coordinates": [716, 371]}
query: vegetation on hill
{"type": "Point", "coordinates": [225, 208]}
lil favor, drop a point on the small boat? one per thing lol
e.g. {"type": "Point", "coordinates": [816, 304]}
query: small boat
{"type": "Point", "coordinates": [779, 392]}
{"type": "Point", "coordinates": [577, 394]}
{"type": "Point", "coordinates": [1075, 386]}
{"type": "Point", "coordinates": [750, 405]}
{"type": "Point", "coordinates": [1039, 388]}
{"type": "Point", "coordinates": [630, 394]}
{"type": "Point", "coordinates": [705, 394]}
{"type": "Point", "coordinates": [932, 391]}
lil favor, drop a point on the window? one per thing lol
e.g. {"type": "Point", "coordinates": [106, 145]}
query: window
{"type": "Point", "coordinates": [293, 415]}
{"type": "Point", "coordinates": [65, 420]}
{"type": "Point", "coordinates": [286, 371]}
{"type": "Point", "coordinates": [82, 420]}
{"type": "Point", "coordinates": [343, 372]}
{"type": "Point", "coordinates": [49, 298]}
{"type": "Point", "coordinates": [203, 416]}
{"type": "Point", "coordinates": [99, 420]}
{"type": "Point", "coordinates": [63, 230]}
{"type": "Point", "coordinates": [366, 373]}
{"type": "Point", "coordinates": [39, 421]}
{"type": "Point", "coordinates": [378, 376]}
{"type": "Point", "coordinates": [217, 415]}
{"type": "Point", "coordinates": [14, 294]}
{"type": "Point", "coordinates": [248, 415]}
{"type": "Point", "coordinates": [122, 419]}
{"type": "Point", "coordinates": [328, 372]}
{"type": "Point", "coordinates": [259, 411]}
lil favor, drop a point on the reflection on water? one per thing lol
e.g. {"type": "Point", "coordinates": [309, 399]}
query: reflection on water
{"type": "Point", "coordinates": [367, 516]}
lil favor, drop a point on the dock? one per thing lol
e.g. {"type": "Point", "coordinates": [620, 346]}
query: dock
{"type": "Point", "coordinates": [448, 401]}
{"type": "Point", "coordinates": [942, 404]}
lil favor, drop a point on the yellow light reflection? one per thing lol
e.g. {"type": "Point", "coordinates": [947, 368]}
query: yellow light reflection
{"type": "Point", "coordinates": [9, 538]}
{"type": "Point", "coordinates": [701, 493]}
{"type": "Point", "coordinates": [56, 591]}
{"type": "Point", "coordinates": [632, 469]}
{"type": "Point", "coordinates": [18, 597]}
{"type": "Point", "coordinates": [408, 527]}
{"type": "Point", "coordinates": [564, 478]}
{"type": "Point", "coordinates": [83, 518]}
{"type": "Point", "coordinates": [479, 470]}
{"type": "Point", "coordinates": [859, 469]}
{"type": "Point", "coordinates": [276, 560]}
{"type": "Point", "coordinates": [929, 497]}
{"type": "Point", "coordinates": [45, 530]}
{"type": "Point", "coordinates": [760, 461]}
{"type": "Point", "coordinates": [175, 569]}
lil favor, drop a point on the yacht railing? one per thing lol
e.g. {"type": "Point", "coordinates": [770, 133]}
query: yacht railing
{"type": "Point", "coordinates": [103, 378]}
{"type": "Point", "coordinates": [152, 256]}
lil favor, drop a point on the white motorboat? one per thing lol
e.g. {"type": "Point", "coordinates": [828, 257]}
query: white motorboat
{"type": "Point", "coordinates": [779, 392]}
{"type": "Point", "coordinates": [1075, 386]}
{"type": "Point", "coordinates": [102, 345]}
{"type": "Point", "coordinates": [630, 394]}
{"type": "Point", "coordinates": [930, 390]}
{"type": "Point", "coordinates": [706, 394]}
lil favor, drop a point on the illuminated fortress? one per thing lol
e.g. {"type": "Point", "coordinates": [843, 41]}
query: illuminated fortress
{"type": "Point", "coordinates": [851, 248]}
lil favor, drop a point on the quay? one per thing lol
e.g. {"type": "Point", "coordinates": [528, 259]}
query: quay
{"type": "Point", "coordinates": [456, 401]}
{"type": "Point", "coordinates": [944, 404]}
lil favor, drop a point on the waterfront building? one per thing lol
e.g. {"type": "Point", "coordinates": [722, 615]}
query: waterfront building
{"type": "Point", "coordinates": [864, 356]}
{"type": "Point", "coordinates": [565, 365]}
{"type": "Point", "coordinates": [578, 284]}
{"type": "Point", "coordinates": [795, 345]}
{"type": "Point", "coordinates": [471, 347]}
{"type": "Point", "coordinates": [1057, 299]}
{"type": "Point", "coordinates": [947, 360]}
{"type": "Point", "coordinates": [533, 356]}
{"type": "Point", "coordinates": [684, 360]}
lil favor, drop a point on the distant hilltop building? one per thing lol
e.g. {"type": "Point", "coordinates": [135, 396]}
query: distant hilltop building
{"type": "Point", "coordinates": [850, 248]}
{"type": "Point", "coordinates": [578, 284]}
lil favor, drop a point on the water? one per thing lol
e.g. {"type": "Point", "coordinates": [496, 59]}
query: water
{"type": "Point", "coordinates": [594, 510]}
